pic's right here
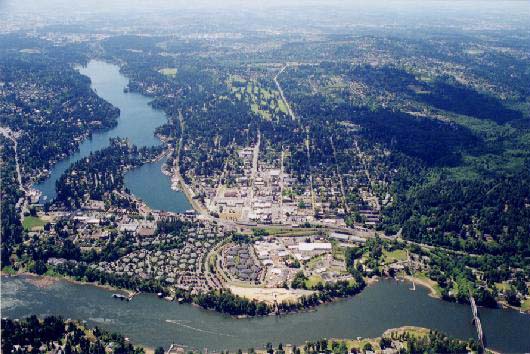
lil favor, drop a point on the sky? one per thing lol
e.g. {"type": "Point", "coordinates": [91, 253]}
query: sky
{"type": "Point", "coordinates": [26, 13]}
{"type": "Point", "coordinates": [121, 6]}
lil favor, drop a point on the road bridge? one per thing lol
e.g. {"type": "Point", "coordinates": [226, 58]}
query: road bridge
{"type": "Point", "coordinates": [477, 323]}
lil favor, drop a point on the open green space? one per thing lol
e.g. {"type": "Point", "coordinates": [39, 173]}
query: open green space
{"type": "Point", "coordinates": [31, 222]}
{"type": "Point", "coordinates": [394, 256]}
{"type": "Point", "coordinates": [313, 281]}
{"type": "Point", "coordinates": [168, 71]}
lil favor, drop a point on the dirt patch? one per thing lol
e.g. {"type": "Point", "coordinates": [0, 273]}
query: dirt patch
{"type": "Point", "coordinates": [429, 284]}
{"type": "Point", "coordinates": [269, 295]}
{"type": "Point", "coordinates": [41, 282]}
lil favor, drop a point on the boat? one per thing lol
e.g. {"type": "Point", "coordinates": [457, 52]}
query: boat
{"type": "Point", "coordinates": [120, 296]}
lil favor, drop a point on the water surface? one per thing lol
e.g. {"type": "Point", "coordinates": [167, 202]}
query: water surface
{"type": "Point", "coordinates": [154, 188]}
{"type": "Point", "coordinates": [152, 322]}
{"type": "Point", "coordinates": [137, 122]}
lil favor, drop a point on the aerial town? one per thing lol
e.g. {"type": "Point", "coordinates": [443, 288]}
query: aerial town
{"type": "Point", "coordinates": [180, 175]}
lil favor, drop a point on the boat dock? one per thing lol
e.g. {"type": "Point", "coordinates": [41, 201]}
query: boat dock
{"type": "Point", "coordinates": [124, 297]}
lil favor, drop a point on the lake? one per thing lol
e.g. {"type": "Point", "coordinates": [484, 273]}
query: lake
{"type": "Point", "coordinates": [137, 122]}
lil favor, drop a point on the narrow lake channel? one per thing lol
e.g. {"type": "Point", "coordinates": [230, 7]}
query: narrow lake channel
{"type": "Point", "coordinates": [137, 122]}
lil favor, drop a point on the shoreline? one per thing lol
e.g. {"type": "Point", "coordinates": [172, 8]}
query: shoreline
{"type": "Point", "coordinates": [502, 305]}
{"type": "Point", "coordinates": [44, 281]}
{"type": "Point", "coordinates": [432, 291]}
{"type": "Point", "coordinates": [54, 279]}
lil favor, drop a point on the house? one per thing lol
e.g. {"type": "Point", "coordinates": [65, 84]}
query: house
{"type": "Point", "coordinates": [314, 246]}
{"type": "Point", "coordinates": [131, 228]}
{"type": "Point", "coordinates": [56, 261]}
{"type": "Point", "coordinates": [145, 231]}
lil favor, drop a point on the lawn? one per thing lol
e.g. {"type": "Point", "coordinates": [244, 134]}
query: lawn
{"type": "Point", "coordinates": [394, 256]}
{"type": "Point", "coordinates": [502, 286]}
{"type": "Point", "coordinates": [257, 96]}
{"type": "Point", "coordinates": [282, 106]}
{"type": "Point", "coordinates": [337, 252]}
{"type": "Point", "coordinates": [168, 71]}
{"type": "Point", "coordinates": [313, 281]}
{"type": "Point", "coordinates": [31, 222]}
{"type": "Point", "coordinates": [279, 231]}
{"type": "Point", "coordinates": [8, 270]}
{"type": "Point", "coordinates": [311, 264]}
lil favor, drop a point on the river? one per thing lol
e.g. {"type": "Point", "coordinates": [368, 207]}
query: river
{"type": "Point", "coordinates": [152, 322]}
{"type": "Point", "coordinates": [137, 122]}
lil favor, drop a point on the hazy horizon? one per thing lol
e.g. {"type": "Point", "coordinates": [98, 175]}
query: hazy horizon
{"type": "Point", "coordinates": [15, 14]}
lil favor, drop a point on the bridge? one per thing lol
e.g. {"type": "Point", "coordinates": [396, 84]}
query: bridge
{"type": "Point", "coordinates": [478, 324]}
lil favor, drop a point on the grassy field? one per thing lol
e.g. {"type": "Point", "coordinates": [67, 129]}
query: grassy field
{"type": "Point", "coordinates": [313, 281]}
{"type": "Point", "coordinates": [278, 231]}
{"type": "Point", "coordinates": [337, 252]}
{"type": "Point", "coordinates": [502, 286]}
{"type": "Point", "coordinates": [31, 222]}
{"type": "Point", "coordinates": [263, 101]}
{"type": "Point", "coordinates": [8, 270]}
{"type": "Point", "coordinates": [168, 71]}
{"type": "Point", "coordinates": [313, 262]}
{"type": "Point", "coordinates": [394, 256]}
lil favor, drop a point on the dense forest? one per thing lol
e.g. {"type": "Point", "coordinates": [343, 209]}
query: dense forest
{"type": "Point", "coordinates": [52, 105]}
{"type": "Point", "coordinates": [53, 333]}
{"type": "Point", "coordinates": [99, 175]}
{"type": "Point", "coordinates": [478, 216]}
{"type": "Point", "coordinates": [459, 183]}
{"type": "Point", "coordinates": [11, 193]}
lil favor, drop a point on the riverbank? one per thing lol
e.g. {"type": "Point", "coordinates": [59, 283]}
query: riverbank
{"type": "Point", "coordinates": [46, 280]}
{"type": "Point", "coordinates": [393, 339]}
{"type": "Point", "coordinates": [434, 292]}
{"type": "Point", "coordinates": [178, 179]}
{"type": "Point", "coordinates": [49, 279]}
{"type": "Point", "coordinates": [427, 283]}
{"type": "Point", "coordinates": [149, 321]}
{"type": "Point", "coordinates": [136, 122]}
{"type": "Point", "coordinates": [524, 308]}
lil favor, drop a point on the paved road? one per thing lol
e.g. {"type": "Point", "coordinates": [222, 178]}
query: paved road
{"type": "Point", "coordinates": [291, 113]}
{"type": "Point", "coordinates": [9, 134]}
